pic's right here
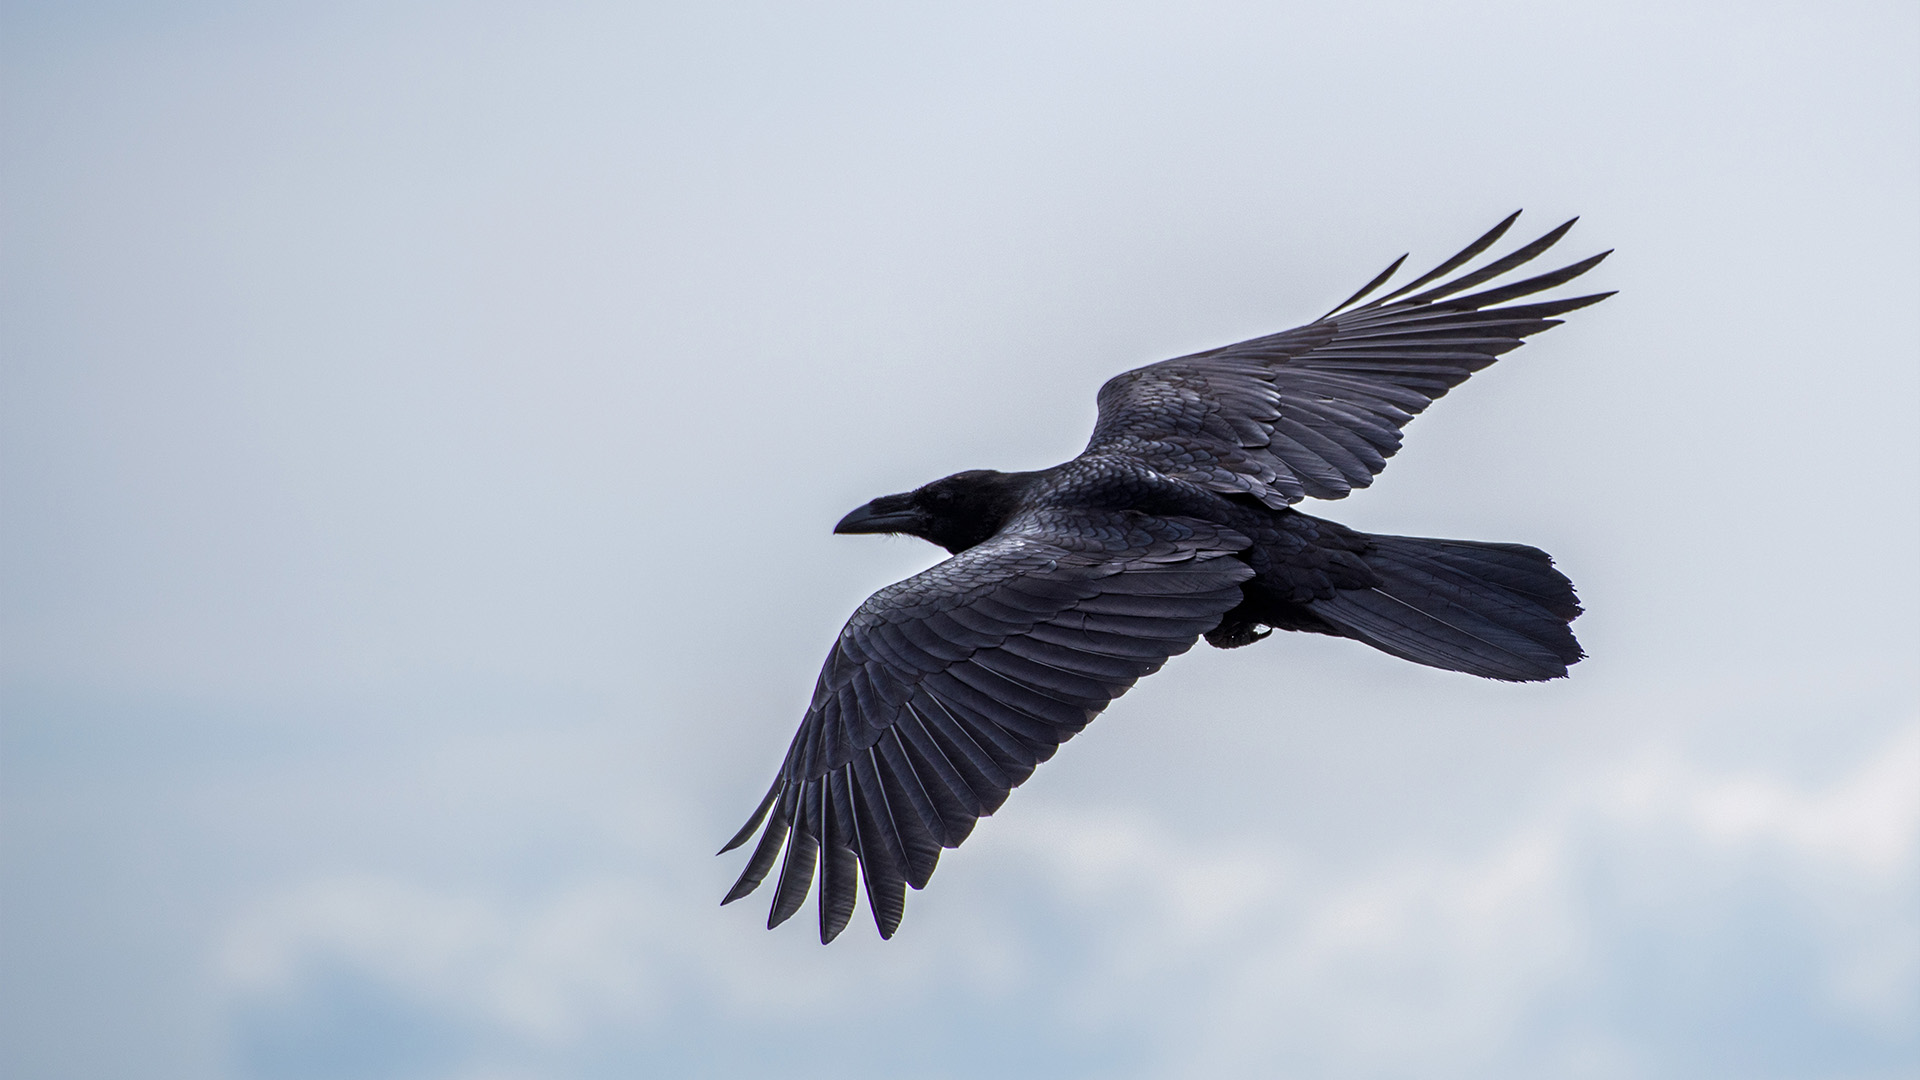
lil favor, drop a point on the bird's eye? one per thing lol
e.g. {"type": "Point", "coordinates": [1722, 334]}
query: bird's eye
{"type": "Point", "coordinates": [943, 496]}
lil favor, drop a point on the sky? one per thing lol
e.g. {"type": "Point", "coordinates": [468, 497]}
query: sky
{"type": "Point", "coordinates": [421, 428]}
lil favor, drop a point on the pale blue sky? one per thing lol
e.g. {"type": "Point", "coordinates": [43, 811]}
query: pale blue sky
{"type": "Point", "coordinates": [420, 432]}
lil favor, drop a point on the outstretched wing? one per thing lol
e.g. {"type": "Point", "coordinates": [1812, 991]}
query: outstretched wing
{"type": "Point", "coordinates": [945, 690]}
{"type": "Point", "coordinates": [1318, 410]}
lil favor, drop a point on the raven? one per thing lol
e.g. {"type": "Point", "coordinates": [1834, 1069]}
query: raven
{"type": "Point", "coordinates": [1068, 584]}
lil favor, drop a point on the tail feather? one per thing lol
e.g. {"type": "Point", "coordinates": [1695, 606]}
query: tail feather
{"type": "Point", "coordinates": [1495, 610]}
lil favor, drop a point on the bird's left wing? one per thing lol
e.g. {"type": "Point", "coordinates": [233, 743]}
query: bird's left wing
{"type": "Point", "coordinates": [1317, 410]}
{"type": "Point", "coordinates": [944, 690]}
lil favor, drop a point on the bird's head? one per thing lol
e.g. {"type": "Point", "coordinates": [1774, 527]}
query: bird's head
{"type": "Point", "coordinates": [955, 512]}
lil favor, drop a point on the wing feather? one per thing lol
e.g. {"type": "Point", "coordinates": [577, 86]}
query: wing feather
{"type": "Point", "coordinates": [761, 861]}
{"type": "Point", "coordinates": [839, 866]}
{"type": "Point", "coordinates": [796, 875]}
{"type": "Point", "coordinates": [878, 847]}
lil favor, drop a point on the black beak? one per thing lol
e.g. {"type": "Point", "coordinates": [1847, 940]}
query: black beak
{"type": "Point", "coordinates": [886, 514]}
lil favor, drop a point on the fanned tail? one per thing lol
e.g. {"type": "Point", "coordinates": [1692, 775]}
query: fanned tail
{"type": "Point", "coordinates": [1495, 610]}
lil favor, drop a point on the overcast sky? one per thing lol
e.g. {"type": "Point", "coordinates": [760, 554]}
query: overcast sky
{"type": "Point", "coordinates": [421, 428]}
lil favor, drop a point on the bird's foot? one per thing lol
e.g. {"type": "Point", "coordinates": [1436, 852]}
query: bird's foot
{"type": "Point", "coordinates": [1233, 634]}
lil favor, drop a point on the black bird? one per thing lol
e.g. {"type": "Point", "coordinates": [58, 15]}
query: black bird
{"type": "Point", "coordinates": [1068, 584]}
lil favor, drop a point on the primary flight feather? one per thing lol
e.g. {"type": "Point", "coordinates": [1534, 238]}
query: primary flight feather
{"type": "Point", "coordinates": [1069, 584]}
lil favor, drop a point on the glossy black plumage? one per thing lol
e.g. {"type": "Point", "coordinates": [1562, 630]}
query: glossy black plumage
{"type": "Point", "coordinates": [1069, 584]}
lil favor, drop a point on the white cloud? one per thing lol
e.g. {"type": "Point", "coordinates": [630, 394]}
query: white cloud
{"type": "Point", "coordinates": [1228, 956]}
{"type": "Point", "coordinates": [1870, 822]}
{"type": "Point", "coordinates": [546, 973]}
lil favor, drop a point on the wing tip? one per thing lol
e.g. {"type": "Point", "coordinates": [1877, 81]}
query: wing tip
{"type": "Point", "coordinates": [759, 815]}
{"type": "Point", "coordinates": [1378, 280]}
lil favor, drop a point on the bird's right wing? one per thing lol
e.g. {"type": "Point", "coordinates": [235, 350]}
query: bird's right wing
{"type": "Point", "coordinates": [944, 690]}
{"type": "Point", "coordinates": [1317, 410]}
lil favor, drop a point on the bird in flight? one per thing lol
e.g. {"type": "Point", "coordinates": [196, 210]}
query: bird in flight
{"type": "Point", "coordinates": [1067, 585]}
